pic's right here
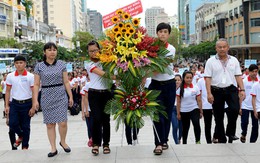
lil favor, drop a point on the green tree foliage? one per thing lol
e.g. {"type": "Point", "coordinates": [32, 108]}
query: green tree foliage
{"type": "Point", "coordinates": [10, 43]}
{"type": "Point", "coordinates": [175, 38]}
{"type": "Point", "coordinates": [84, 38]}
{"type": "Point", "coordinates": [201, 51]}
{"type": "Point", "coordinates": [28, 4]}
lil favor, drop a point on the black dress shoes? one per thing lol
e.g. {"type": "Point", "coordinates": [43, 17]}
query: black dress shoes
{"type": "Point", "coordinates": [234, 137]}
{"type": "Point", "coordinates": [51, 154]}
{"type": "Point", "coordinates": [67, 150]}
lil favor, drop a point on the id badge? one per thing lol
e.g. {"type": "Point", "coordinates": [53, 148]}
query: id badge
{"type": "Point", "coordinates": [224, 79]}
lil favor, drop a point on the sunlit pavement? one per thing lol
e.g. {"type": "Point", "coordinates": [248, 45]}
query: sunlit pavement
{"type": "Point", "coordinates": [120, 151]}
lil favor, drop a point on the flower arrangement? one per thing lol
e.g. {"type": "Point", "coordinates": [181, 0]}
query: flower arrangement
{"type": "Point", "coordinates": [129, 52]}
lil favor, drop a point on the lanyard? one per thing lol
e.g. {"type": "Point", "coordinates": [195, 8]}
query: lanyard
{"type": "Point", "coordinates": [224, 64]}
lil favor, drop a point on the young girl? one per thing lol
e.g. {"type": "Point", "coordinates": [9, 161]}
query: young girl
{"type": "Point", "coordinates": [189, 106]}
{"type": "Point", "coordinates": [176, 124]}
{"type": "Point", "coordinates": [98, 96]}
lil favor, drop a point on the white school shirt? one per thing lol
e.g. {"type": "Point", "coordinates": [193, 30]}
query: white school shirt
{"type": "Point", "coordinates": [189, 101]}
{"type": "Point", "coordinates": [95, 80]}
{"type": "Point", "coordinates": [71, 83]}
{"type": "Point", "coordinates": [83, 92]}
{"type": "Point", "coordinates": [220, 75]}
{"type": "Point", "coordinates": [3, 82]}
{"type": "Point", "coordinates": [195, 79]}
{"type": "Point", "coordinates": [204, 98]}
{"type": "Point", "coordinates": [255, 91]}
{"type": "Point", "coordinates": [20, 85]}
{"type": "Point", "coordinates": [248, 83]}
{"type": "Point", "coordinates": [165, 76]}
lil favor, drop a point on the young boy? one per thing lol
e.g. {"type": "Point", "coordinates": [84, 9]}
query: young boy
{"type": "Point", "coordinates": [166, 84]}
{"type": "Point", "coordinates": [246, 107]}
{"type": "Point", "coordinates": [19, 85]}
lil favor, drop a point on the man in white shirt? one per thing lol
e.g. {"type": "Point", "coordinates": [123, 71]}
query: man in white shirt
{"type": "Point", "coordinates": [20, 84]}
{"type": "Point", "coordinates": [221, 72]}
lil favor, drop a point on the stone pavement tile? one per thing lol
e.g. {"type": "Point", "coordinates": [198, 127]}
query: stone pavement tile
{"type": "Point", "coordinates": [142, 152]}
{"type": "Point", "coordinates": [148, 160]}
{"type": "Point", "coordinates": [203, 150]}
{"type": "Point", "coordinates": [30, 156]}
{"type": "Point", "coordinates": [222, 159]}
{"type": "Point", "coordinates": [251, 159]}
{"type": "Point", "coordinates": [249, 149]}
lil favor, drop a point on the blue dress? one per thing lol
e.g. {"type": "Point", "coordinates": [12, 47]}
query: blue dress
{"type": "Point", "coordinates": [54, 99]}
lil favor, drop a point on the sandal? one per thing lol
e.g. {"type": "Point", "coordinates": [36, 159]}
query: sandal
{"type": "Point", "coordinates": [106, 150]}
{"type": "Point", "coordinates": [95, 150]}
{"type": "Point", "coordinates": [158, 150]}
{"type": "Point", "coordinates": [165, 146]}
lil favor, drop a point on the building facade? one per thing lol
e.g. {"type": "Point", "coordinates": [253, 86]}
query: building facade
{"type": "Point", "coordinates": [173, 21]}
{"type": "Point", "coordinates": [151, 21]}
{"type": "Point", "coordinates": [6, 20]}
{"type": "Point", "coordinates": [95, 23]}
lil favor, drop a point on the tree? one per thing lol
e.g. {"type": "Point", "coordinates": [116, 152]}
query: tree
{"type": "Point", "coordinates": [175, 39]}
{"type": "Point", "coordinates": [10, 43]}
{"type": "Point", "coordinates": [28, 4]}
{"type": "Point", "coordinates": [84, 38]}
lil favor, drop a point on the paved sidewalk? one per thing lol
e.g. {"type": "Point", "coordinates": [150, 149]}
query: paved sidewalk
{"type": "Point", "coordinates": [121, 152]}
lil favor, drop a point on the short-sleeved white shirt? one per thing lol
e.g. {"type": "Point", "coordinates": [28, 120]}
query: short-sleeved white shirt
{"type": "Point", "coordinates": [255, 91]}
{"type": "Point", "coordinates": [165, 76]}
{"type": "Point", "coordinates": [3, 82]}
{"type": "Point", "coordinates": [204, 98]}
{"type": "Point", "coordinates": [248, 83]}
{"type": "Point", "coordinates": [83, 91]}
{"type": "Point", "coordinates": [218, 72]}
{"type": "Point", "coordinates": [20, 85]}
{"type": "Point", "coordinates": [95, 80]}
{"type": "Point", "coordinates": [189, 99]}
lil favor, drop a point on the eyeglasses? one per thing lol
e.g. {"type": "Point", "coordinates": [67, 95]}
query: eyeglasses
{"type": "Point", "coordinates": [93, 51]}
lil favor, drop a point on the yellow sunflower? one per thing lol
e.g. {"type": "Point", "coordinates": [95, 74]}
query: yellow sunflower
{"type": "Point", "coordinates": [128, 25]}
{"type": "Point", "coordinates": [118, 34]}
{"type": "Point", "coordinates": [115, 29]}
{"type": "Point", "coordinates": [121, 25]}
{"type": "Point", "coordinates": [119, 12]}
{"type": "Point", "coordinates": [123, 30]}
{"type": "Point", "coordinates": [131, 30]}
{"type": "Point", "coordinates": [136, 21]}
{"type": "Point", "coordinates": [115, 19]}
{"type": "Point", "coordinates": [128, 34]}
{"type": "Point", "coordinates": [126, 16]}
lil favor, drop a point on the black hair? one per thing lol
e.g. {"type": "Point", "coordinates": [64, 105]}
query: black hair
{"type": "Point", "coordinates": [19, 58]}
{"type": "Point", "coordinates": [93, 42]}
{"type": "Point", "coordinates": [178, 75]}
{"type": "Point", "coordinates": [48, 45]}
{"type": "Point", "coordinates": [183, 82]}
{"type": "Point", "coordinates": [253, 67]}
{"type": "Point", "coordinates": [163, 26]}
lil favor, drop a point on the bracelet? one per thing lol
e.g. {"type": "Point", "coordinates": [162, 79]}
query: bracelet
{"type": "Point", "coordinates": [242, 90]}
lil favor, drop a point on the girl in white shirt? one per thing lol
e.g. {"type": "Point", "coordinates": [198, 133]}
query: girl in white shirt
{"type": "Point", "coordinates": [3, 84]}
{"type": "Point", "coordinates": [189, 107]}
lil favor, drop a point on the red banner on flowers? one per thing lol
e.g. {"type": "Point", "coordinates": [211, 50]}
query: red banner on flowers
{"type": "Point", "coordinates": [133, 9]}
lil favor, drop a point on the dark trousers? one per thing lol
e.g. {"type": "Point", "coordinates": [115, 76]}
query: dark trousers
{"type": "Point", "coordinates": [230, 96]}
{"type": "Point", "coordinates": [89, 122]}
{"type": "Point", "coordinates": [131, 133]}
{"type": "Point", "coordinates": [176, 127]}
{"type": "Point", "coordinates": [4, 115]}
{"type": "Point", "coordinates": [207, 114]}
{"type": "Point", "coordinates": [244, 124]}
{"type": "Point", "coordinates": [194, 117]}
{"type": "Point", "coordinates": [166, 99]}
{"type": "Point", "coordinates": [12, 138]}
{"type": "Point", "coordinates": [19, 121]}
{"type": "Point", "coordinates": [101, 120]}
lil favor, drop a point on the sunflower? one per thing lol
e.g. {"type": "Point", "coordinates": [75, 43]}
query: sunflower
{"type": "Point", "coordinates": [118, 34]}
{"type": "Point", "coordinates": [115, 29]}
{"type": "Point", "coordinates": [123, 30]}
{"type": "Point", "coordinates": [128, 34]}
{"type": "Point", "coordinates": [115, 19]}
{"type": "Point", "coordinates": [126, 16]}
{"type": "Point", "coordinates": [136, 21]}
{"type": "Point", "coordinates": [131, 31]}
{"type": "Point", "coordinates": [121, 25]}
{"type": "Point", "coordinates": [128, 25]}
{"type": "Point", "coordinates": [119, 12]}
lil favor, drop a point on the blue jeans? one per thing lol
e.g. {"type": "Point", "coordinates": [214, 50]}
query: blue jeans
{"type": "Point", "coordinates": [244, 125]}
{"type": "Point", "coordinates": [166, 99]}
{"type": "Point", "coordinates": [176, 126]}
{"type": "Point", "coordinates": [19, 121]}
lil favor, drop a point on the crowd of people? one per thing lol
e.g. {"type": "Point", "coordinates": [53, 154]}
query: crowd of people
{"type": "Point", "coordinates": [203, 91]}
